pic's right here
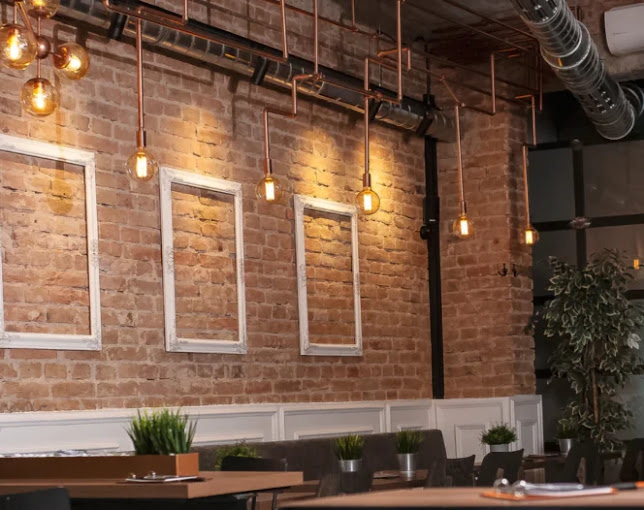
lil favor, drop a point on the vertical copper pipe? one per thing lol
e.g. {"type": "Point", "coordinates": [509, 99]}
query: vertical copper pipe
{"type": "Point", "coordinates": [140, 137]}
{"type": "Point", "coordinates": [459, 158]}
{"type": "Point", "coordinates": [38, 60]}
{"type": "Point", "coordinates": [367, 175]}
{"type": "Point", "coordinates": [185, 11]}
{"type": "Point", "coordinates": [493, 81]}
{"type": "Point", "coordinates": [399, 48]}
{"type": "Point", "coordinates": [267, 151]}
{"type": "Point", "coordinates": [533, 107]}
{"type": "Point", "coordinates": [315, 36]}
{"type": "Point", "coordinates": [540, 87]}
{"type": "Point", "coordinates": [525, 185]}
{"type": "Point", "coordinates": [353, 14]}
{"type": "Point", "coordinates": [284, 39]}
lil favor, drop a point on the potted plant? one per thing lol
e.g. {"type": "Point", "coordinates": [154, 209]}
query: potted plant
{"type": "Point", "coordinates": [349, 452]}
{"type": "Point", "coordinates": [596, 329]}
{"type": "Point", "coordinates": [162, 441]}
{"type": "Point", "coordinates": [240, 449]}
{"type": "Point", "coordinates": [566, 435]}
{"type": "Point", "coordinates": [407, 445]}
{"type": "Point", "coordinates": [499, 437]}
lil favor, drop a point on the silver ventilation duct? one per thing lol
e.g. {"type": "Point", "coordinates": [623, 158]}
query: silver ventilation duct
{"type": "Point", "coordinates": [567, 47]}
{"type": "Point", "coordinates": [412, 115]}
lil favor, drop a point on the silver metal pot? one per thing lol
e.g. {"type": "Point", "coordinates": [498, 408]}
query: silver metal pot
{"type": "Point", "coordinates": [499, 448]}
{"type": "Point", "coordinates": [565, 445]}
{"type": "Point", "coordinates": [407, 463]}
{"type": "Point", "coordinates": [350, 465]}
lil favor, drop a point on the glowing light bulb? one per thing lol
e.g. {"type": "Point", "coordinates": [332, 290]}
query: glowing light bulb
{"type": "Point", "coordinates": [17, 49]}
{"type": "Point", "coordinates": [530, 236]}
{"type": "Point", "coordinates": [71, 60]}
{"type": "Point", "coordinates": [39, 97]}
{"type": "Point", "coordinates": [368, 201]}
{"type": "Point", "coordinates": [269, 189]}
{"type": "Point", "coordinates": [141, 165]}
{"type": "Point", "coordinates": [636, 264]}
{"type": "Point", "coordinates": [462, 227]}
{"type": "Point", "coordinates": [42, 8]}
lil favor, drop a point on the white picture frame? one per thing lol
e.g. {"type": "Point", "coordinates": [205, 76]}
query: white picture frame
{"type": "Point", "coordinates": [86, 159]}
{"type": "Point", "coordinates": [174, 343]}
{"type": "Point", "coordinates": [307, 348]}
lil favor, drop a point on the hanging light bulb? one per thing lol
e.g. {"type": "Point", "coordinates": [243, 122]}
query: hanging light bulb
{"type": "Point", "coordinates": [141, 165]}
{"type": "Point", "coordinates": [636, 264]}
{"type": "Point", "coordinates": [463, 227]}
{"type": "Point", "coordinates": [71, 60]}
{"type": "Point", "coordinates": [367, 201]}
{"type": "Point", "coordinates": [42, 8]}
{"type": "Point", "coordinates": [39, 97]}
{"type": "Point", "coordinates": [17, 49]}
{"type": "Point", "coordinates": [530, 236]}
{"type": "Point", "coordinates": [269, 187]}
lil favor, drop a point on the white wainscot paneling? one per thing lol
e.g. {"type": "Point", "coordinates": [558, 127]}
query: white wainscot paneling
{"type": "Point", "coordinates": [460, 420]}
{"type": "Point", "coordinates": [528, 416]}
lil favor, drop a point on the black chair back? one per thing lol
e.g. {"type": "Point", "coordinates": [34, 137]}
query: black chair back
{"type": "Point", "coordinates": [50, 499]}
{"type": "Point", "coordinates": [461, 471]}
{"type": "Point", "coordinates": [583, 459]}
{"type": "Point", "coordinates": [253, 464]}
{"type": "Point", "coordinates": [437, 475]}
{"type": "Point", "coordinates": [509, 462]}
{"type": "Point", "coordinates": [633, 465]}
{"type": "Point", "coordinates": [345, 483]}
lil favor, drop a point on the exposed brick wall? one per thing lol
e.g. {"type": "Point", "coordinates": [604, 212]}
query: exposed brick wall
{"type": "Point", "coordinates": [207, 122]}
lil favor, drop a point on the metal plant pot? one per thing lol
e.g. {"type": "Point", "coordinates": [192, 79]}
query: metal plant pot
{"type": "Point", "coordinates": [407, 463]}
{"type": "Point", "coordinates": [565, 445]}
{"type": "Point", "coordinates": [499, 448]}
{"type": "Point", "coordinates": [350, 465]}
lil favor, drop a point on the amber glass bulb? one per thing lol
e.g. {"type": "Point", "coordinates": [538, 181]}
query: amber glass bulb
{"type": "Point", "coordinates": [530, 236]}
{"type": "Point", "coordinates": [463, 227]}
{"type": "Point", "coordinates": [71, 60]}
{"type": "Point", "coordinates": [367, 201]}
{"type": "Point", "coordinates": [269, 189]}
{"type": "Point", "coordinates": [39, 97]}
{"type": "Point", "coordinates": [17, 49]}
{"type": "Point", "coordinates": [42, 8]}
{"type": "Point", "coordinates": [636, 264]}
{"type": "Point", "coordinates": [141, 165]}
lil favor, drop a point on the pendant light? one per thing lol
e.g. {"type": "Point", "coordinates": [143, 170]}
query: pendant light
{"type": "Point", "coordinates": [530, 234]}
{"type": "Point", "coordinates": [367, 201]}
{"type": "Point", "coordinates": [141, 165]}
{"type": "Point", "coordinates": [462, 227]}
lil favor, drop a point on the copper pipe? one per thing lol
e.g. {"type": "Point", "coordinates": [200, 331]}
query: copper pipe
{"type": "Point", "coordinates": [140, 135]}
{"type": "Point", "coordinates": [284, 31]}
{"type": "Point", "coordinates": [315, 36]}
{"type": "Point", "coordinates": [534, 120]}
{"type": "Point", "coordinates": [493, 81]}
{"type": "Point", "coordinates": [488, 18]}
{"type": "Point", "coordinates": [540, 65]}
{"type": "Point", "coordinates": [366, 179]}
{"type": "Point", "coordinates": [290, 114]}
{"type": "Point", "coordinates": [399, 47]}
{"type": "Point", "coordinates": [175, 22]}
{"type": "Point", "coordinates": [459, 159]}
{"type": "Point", "coordinates": [526, 192]}
{"type": "Point", "coordinates": [185, 11]}
{"type": "Point", "coordinates": [38, 60]}
{"type": "Point", "coordinates": [353, 15]}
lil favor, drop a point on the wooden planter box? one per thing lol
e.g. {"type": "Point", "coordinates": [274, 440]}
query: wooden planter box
{"type": "Point", "coordinates": [121, 466]}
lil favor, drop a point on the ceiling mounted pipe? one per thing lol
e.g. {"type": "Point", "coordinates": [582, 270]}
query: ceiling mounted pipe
{"type": "Point", "coordinates": [566, 45]}
{"type": "Point", "coordinates": [338, 88]}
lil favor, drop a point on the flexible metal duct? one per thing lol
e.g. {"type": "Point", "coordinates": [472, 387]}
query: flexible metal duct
{"type": "Point", "coordinates": [567, 47]}
{"type": "Point", "coordinates": [411, 114]}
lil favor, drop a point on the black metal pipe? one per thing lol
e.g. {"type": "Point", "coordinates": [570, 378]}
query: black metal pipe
{"type": "Point", "coordinates": [117, 25]}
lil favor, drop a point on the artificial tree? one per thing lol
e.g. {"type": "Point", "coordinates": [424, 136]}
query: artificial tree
{"type": "Point", "coordinates": [597, 350]}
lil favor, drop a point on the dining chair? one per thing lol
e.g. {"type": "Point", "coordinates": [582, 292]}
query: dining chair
{"type": "Point", "coordinates": [333, 484]}
{"type": "Point", "coordinates": [461, 471]}
{"type": "Point", "coordinates": [437, 474]}
{"type": "Point", "coordinates": [49, 499]}
{"type": "Point", "coordinates": [499, 465]}
{"type": "Point", "coordinates": [582, 465]}
{"type": "Point", "coordinates": [254, 464]}
{"type": "Point", "coordinates": [633, 464]}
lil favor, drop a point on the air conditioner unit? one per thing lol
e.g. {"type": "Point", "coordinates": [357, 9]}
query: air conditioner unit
{"type": "Point", "coordinates": [624, 34]}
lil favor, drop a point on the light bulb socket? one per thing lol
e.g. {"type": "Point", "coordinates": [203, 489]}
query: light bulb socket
{"type": "Point", "coordinates": [366, 180]}
{"type": "Point", "coordinates": [140, 139]}
{"type": "Point", "coordinates": [268, 166]}
{"type": "Point", "coordinates": [463, 208]}
{"type": "Point", "coordinates": [44, 47]}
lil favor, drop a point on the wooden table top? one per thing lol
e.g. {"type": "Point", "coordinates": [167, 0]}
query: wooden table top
{"type": "Point", "coordinates": [461, 498]}
{"type": "Point", "coordinates": [392, 480]}
{"type": "Point", "coordinates": [215, 483]}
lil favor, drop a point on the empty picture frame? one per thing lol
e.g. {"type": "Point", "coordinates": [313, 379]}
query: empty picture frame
{"type": "Point", "coordinates": [32, 340]}
{"type": "Point", "coordinates": [174, 343]}
{"type": "Point", "coordinates": [306, 347]}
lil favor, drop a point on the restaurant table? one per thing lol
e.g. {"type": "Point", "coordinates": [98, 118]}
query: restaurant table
{"type": "Point", "coordinates": [213, 491]}
{"type": "Point", "coordinates": [464, 498]}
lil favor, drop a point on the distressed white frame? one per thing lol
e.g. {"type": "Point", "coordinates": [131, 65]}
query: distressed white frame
{"type": "Point", "coordinates": [307, 348]}
{"type": "Point", "coordinates": [173, 343]}
{"type": "Point", "coordinates": [91, 342]}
